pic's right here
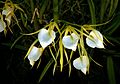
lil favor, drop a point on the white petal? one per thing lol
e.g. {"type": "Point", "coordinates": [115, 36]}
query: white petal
{"type": "Point", "coordinates": [34, 54]}
{"type": "Point", "coordinates": [77, 63]}
{"type": "Point", "coordinates": [32, 62]}
{"type": "Point", "coordinates": [2, 25]}
{"type": "Point", "coordinates": [95, 39]}
{"type": "Point", "coordinates": [70, 41]}
{"type": "Point", "coordinates": [45, 37]}
{"type": "Point", "coordinates": [84, 70]}
{"type": "Point", "coordinates": [4, 12]}
{"type": "Point", "coordinates": [7, 11]}
{"type": "Point", "coordinates": [81, 63]}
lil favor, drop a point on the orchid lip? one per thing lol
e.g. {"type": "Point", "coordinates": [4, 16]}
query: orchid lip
{"type": "Point", "coordinates": [2, 25]}
{"type": "Point", "coordinates": [95, 39]}
{"type": "Point", "coordinates": [46, 37]}
{"type": "Point", "coordinates": [34, 54]}
{"type": "Point", "coordinates": [70, 41]}
{"type": "Point", "coordinates": [81, 63]}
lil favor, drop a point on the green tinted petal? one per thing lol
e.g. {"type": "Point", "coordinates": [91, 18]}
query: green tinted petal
{"type": "Point", "coordinates": [2, 25]}
{"type": "Point", "coordinates": [95, 39]}
{"type": "Point", "coordinates": [34, 54]}
{"type": "Point", "coordinates": [70, 41]}
{"type": "Point", "coordinates": [45, 37]}
{"type": "Point", "coordinates": [82, 63]}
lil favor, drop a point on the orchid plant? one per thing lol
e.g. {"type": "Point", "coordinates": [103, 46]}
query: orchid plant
{"type": "Point", "coordinates": [63, 40]}
{"type": "Point", "coordinates": [70, 38]}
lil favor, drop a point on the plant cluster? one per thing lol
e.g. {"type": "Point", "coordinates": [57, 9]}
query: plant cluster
{"type": "Point", "coordinates": [55, 31]}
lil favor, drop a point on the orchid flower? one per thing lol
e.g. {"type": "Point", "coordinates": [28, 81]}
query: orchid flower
{"type": "Point", "coordinates": [70, 41]}
{"type": "Point", "coordinates": [95, 39]}
{"type": "Point", "coordinates": [34, 54]}
{"type": "Point", "coordinates": [2, 24]}
{"type": "Point", "coordinates": [46, 37]}
{"type": "Point", "coordinates": [8, 13]}
{"type": "Point", "coordinates": [82, 63]}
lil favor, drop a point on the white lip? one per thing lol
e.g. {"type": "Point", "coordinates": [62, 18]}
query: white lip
{"type": "Point", "coordinates": [70, 41]}
{"type": "Point", "coordinates": [96, 39]}
{"type": "Point", "coordinates": [45, 37]}
{"type": "Point", "coordinates": [2, 25]}
{"type": "Point", "coordinates": [34, 54]}
{"type": "Point", "coordinates": [81, 63]}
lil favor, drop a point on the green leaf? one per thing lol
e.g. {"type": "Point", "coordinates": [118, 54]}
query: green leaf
{"type": "Point", "coordinates": [104, 5]}
{"type": "Point", "coordinates": [16, 41]}
{"type": "Point", "coordinates": [113, 6]}
{"type": "Point", "coordinates": [46, 69]}
{"type": "Point", "coordinates": [55, 10]}
{"type": "Point", "coordinates": [15, 46]}
{"type": "Point", "coordinates": [115, 24]}
{"type": "Point", "coordinates": [32, 5]}
{"type": "Point", "coordinates": [110, 70]}
{"type": "Point", "coordinates": [92, 11]}
{"type": "Point", "coordinates": [43, 7]}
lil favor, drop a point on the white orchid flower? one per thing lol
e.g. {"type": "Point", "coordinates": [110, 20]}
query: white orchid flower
{"type": "Point", "coordinates": [34, 54]}
{"type": "Point", "coordinates": [95, 39]}
{"type": "Point", "coordinates": [2, 25]}
{"type": "Point", "coordinates": [70, 41]}
{"type": "Point", "coordinates": [8, 13]}
{"type": "Point", "coordinates": [46, 37]}
{"type": "Point", "coordinates": [82, 63]}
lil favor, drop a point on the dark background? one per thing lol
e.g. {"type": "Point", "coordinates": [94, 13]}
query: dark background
{"type": "Point", "coordinates": [16, 70]}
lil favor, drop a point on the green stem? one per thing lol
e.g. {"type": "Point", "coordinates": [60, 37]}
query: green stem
{"type": "Point", "coordinates": [55, 10]}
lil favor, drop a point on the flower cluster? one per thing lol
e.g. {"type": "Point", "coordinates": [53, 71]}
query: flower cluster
{"type": "Point", "coordinates": [45, 37]}
{"type": "Point", "coordinates": [7, 11]}
{"type": "Point", "coordinates": [71, 39]}
{"type": "Point", "coordinates": [8, 14]}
